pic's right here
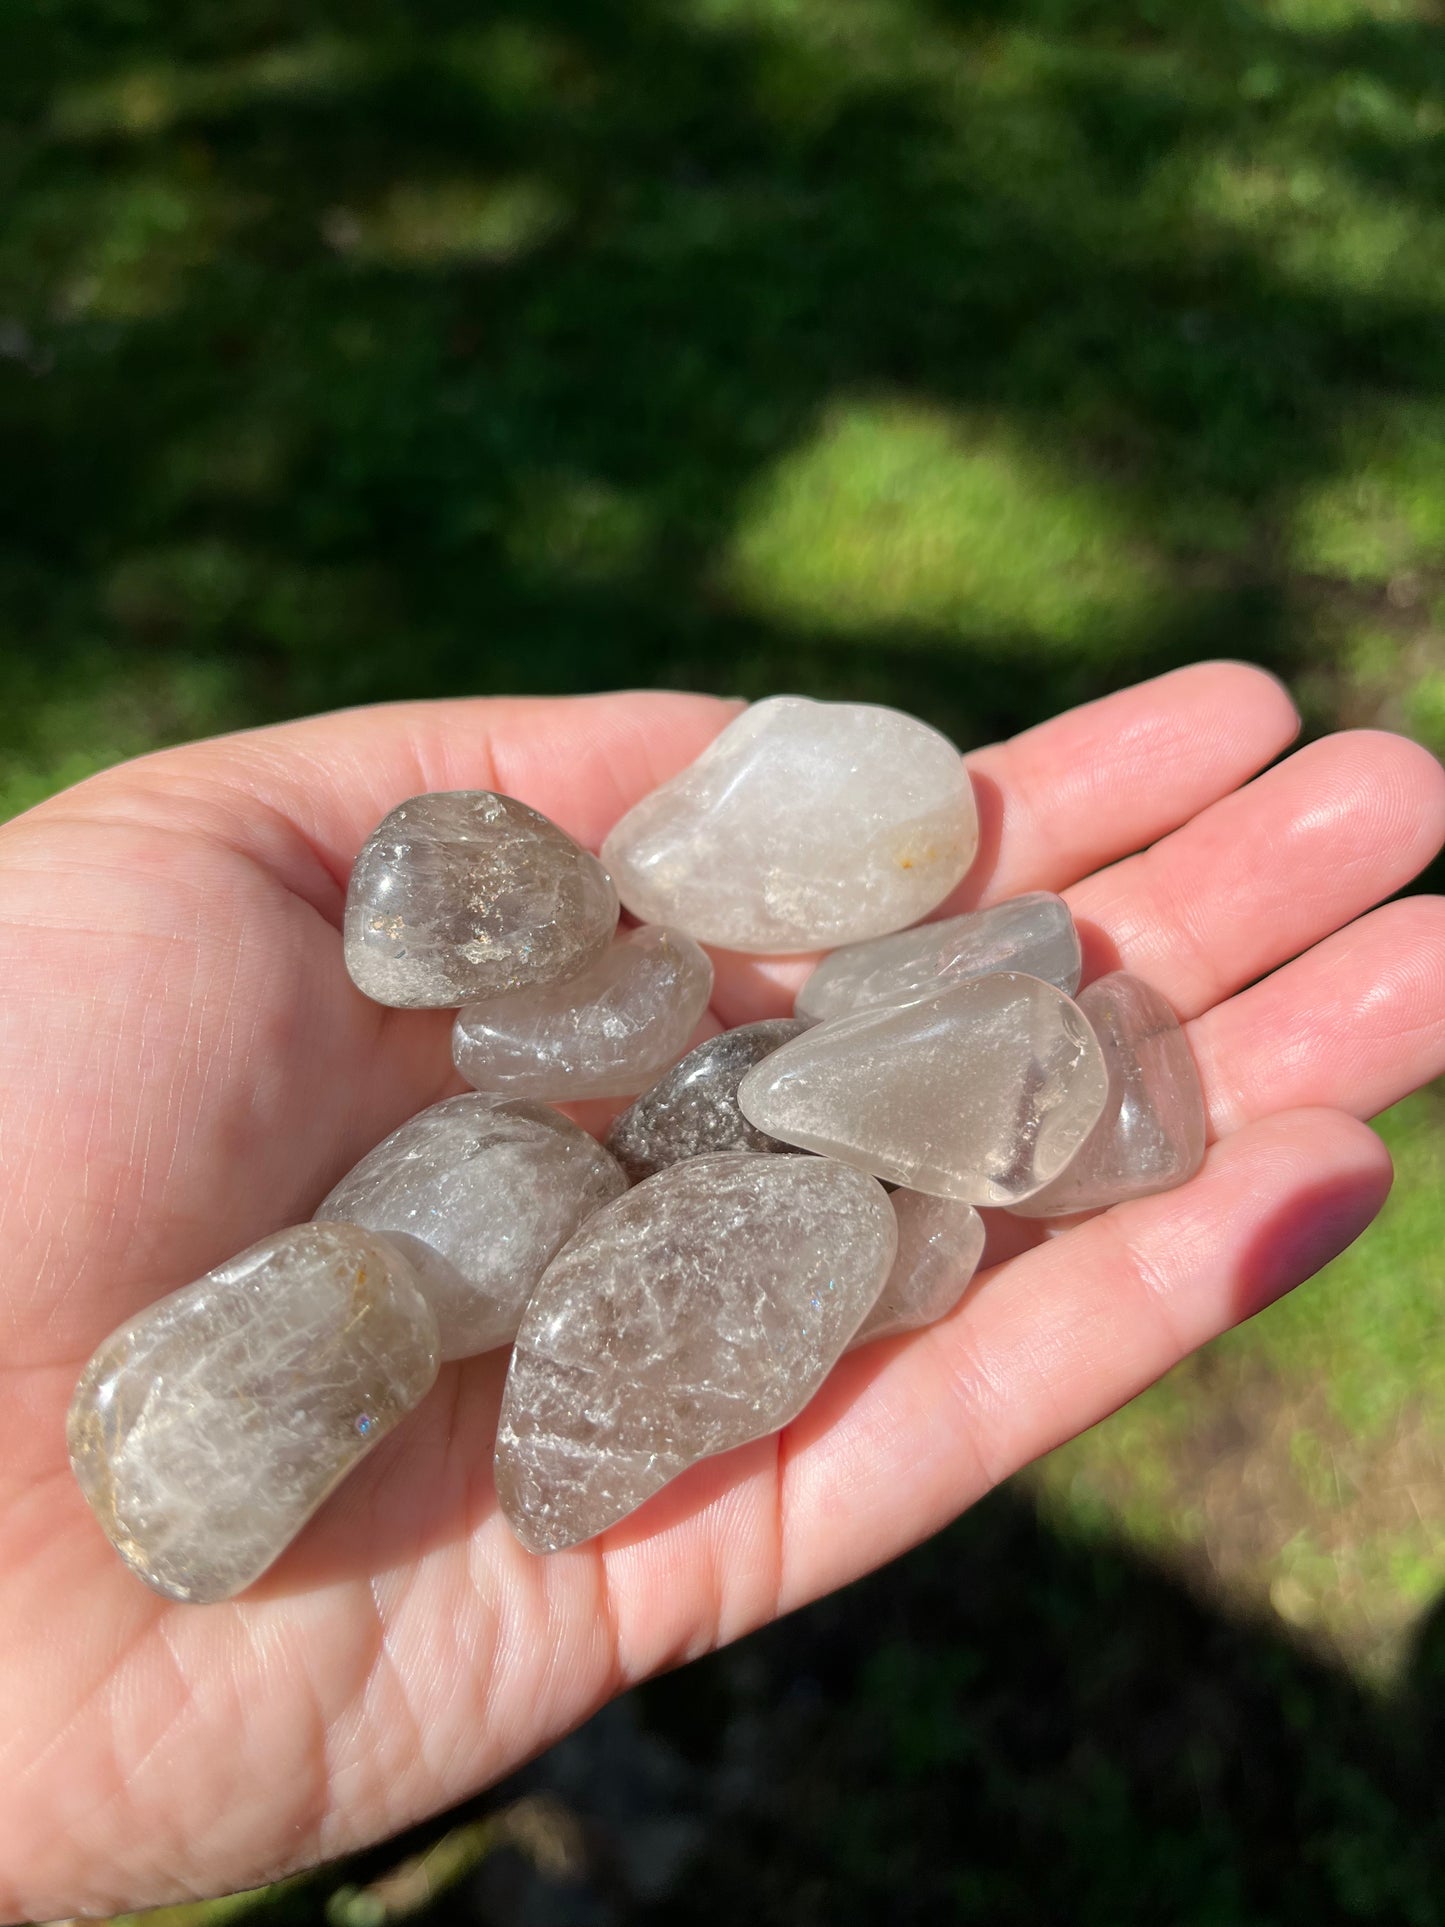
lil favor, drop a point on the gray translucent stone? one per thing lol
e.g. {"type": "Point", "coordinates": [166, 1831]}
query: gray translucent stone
{"type": "Point", "coordinates": [606, 1033]}
{"type": "Point", "coordinates": [801, 826]}
{"type": "Point", "coordinates": [693, 1109]}
{"type": "Point", "coordinates": [1151, 1135]}
{"type": "Point", "coordinates": [207, 1429]}
{"type": "Point", "coordinates": [465, 894]}
{"type": "Point", "coordinates": [940, 1242]}
{"type": "Point", "coordinates": [479, 1198]}
{"type": "Point", "coordinates": [702, 1309]}
{"type": "Point", "coordinates": [1033, 933]}
{"type": "Point", "coordinates": [981, 1091]}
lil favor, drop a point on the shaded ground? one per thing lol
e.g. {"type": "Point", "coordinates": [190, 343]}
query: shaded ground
{"type": "Point", "coordinates": [971, 357]}
{"type": "Point", "coordinates": [992, 355]}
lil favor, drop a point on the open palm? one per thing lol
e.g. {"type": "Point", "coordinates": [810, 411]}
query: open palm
{"type": "Point", "coordinates": [184, 1066]}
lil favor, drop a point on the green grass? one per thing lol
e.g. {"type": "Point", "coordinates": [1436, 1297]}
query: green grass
{"type": "Point", "coordinates": [970, 357]}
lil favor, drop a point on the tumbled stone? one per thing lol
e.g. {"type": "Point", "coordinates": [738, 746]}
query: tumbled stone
{"type": "Point", "coordinates": [802, 825]}
{"type": "Point", "coordinates": [606, 1033]}
{"type": "Point", "coordinates": [1033, 933]}
{"type": "Point", "coordinates": [699, 1311]}
{"type": "Point", "coordinates": [209, 1427]}
{"type": "Point", "coordinates": [940, 1242]}
{"type": "Point", "coordinates": [465, 894]}
{"type": "Point", "coordinates": [693, 1108]}
{"type": "Point", "coordinates": [479, 1198]}
{"type": "Point", "coordinates": [1151, 1134]}
{"type": "Point", "coordinates": [981, 1091]}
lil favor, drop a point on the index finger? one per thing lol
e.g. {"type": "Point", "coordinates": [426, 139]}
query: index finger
{"type": "Point", "coordinates": [298, 794]}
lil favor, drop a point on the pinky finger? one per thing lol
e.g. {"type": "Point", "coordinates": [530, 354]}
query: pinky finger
{"type": "Point", "coordinates": [1056, 1339]}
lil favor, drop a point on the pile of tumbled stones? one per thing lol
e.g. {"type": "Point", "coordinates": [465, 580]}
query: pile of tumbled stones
{"type": "Point", "coordinates": [687, 1286]}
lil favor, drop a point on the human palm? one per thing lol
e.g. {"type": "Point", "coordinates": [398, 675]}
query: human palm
{"type": "Point", "coordinates": [184, 1066]}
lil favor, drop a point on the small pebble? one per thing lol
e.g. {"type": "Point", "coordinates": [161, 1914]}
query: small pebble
{"type": "Point", "coordinates": [479, 1197]}
{"type": "Point", "coordinates": [208, 1428]}
{"type": "Point", "coordinates": [606, 1033]}
{"type": "Point", "coordinates": [802, 825]}
{"type": "Point", "coordinates": [467, 894]}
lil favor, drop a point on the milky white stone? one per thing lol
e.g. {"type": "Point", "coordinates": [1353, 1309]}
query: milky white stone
{"type": "Point", "coordinates": [479, 1198]}
{"type": "Point", "coordinates": [1151, 1134]}
{"type": "Point", "coordinates": [940, 1242]}
{"type": "Point", "coordinates": [465, 893]}
{"type": "Point", "coordinates": [700, 1310]}
{"type": "Point", "coordinates": [982, 1091]}
{"type": "Point", "coordinates": [1033, 933]}
{"type": "Point", "coordinates": [606, 1033]}
{"type": "Point", "coordinates": [208, 1428]}
{"type": "Point", "coordinates": [693, 1108]}
{"type": "Point", "coordinates": [802, 825]}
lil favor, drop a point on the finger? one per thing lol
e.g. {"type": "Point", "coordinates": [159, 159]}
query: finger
{"type": "Point", "coordinates": [1056, 1340]}
{"type": "Point", "coordinates": [1269, 871]}
{"type": "Point", "coordinates": [1079, 791]}
{"type": "Point", "coordinates": [1355, 1024]}
{"type": "Point", "coordinates": [1091, 785]}
{"type": "Point", "coordinates": [314, 790]}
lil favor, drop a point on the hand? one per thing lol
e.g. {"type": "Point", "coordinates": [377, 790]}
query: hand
{"type": "Point", "coordinates": [184, 1066]}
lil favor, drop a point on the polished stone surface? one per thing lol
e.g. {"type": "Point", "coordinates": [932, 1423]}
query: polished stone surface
{"type": "Point", "coordinates": [465, 894]}
{"type": "Point", "coordinates": [1151, 1135]}
{"type": "Point", "coordinates": [693, 1108]}
{"type": "Point", "coordinates": [702, 1309]}
{"type": "Point", "coordinates": [1033, 933]}
{"type": "Point", "coordinates": [940, 1242]}
{"type": "Point", "coordinates": [981, 1091]}
{"type": "Point", "coordinates": [207, 1429]}
{"type": "Point", "coordinates": [480, 1197]}
{"type": "Point", "coordinates": [607, 1033]}
{"type": "Point", "coordinates": [803, 825]}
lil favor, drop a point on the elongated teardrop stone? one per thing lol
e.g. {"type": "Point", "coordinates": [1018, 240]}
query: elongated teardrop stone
{"type": "Point", "coordinates": [479, 1198]}
{"type": "Point", "coordinates": [693, 1108]}
{"type": "Point", "coordinates": [607, 1033]}
{"type": "Point", "coordinates": [981, 1091]}
{"type": "Point", "coordinates": [207, 1429]}
{"type": "Point", "coordinates": [465, 894]}
{"type": "Point", "coordinates": [700, 1310]}
{"type": "Point", "coordinates": [1033, 933]}
{"type": "Point", "coordinates": [940, 1242]}
{"type": "Point", "coordinates": [802, 825]}
{"type": "Point", "coordinates": [1151, 1134]}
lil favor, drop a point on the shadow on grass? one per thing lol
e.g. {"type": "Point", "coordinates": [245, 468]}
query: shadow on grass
{"type": "Point", "coordinates": [1010, 1725]}
{"type": "Point", "coordinates": [979, 358]}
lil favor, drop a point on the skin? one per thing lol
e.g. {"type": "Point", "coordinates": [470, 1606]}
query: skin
{"type": "Point", "coordinates": [184, 1066]}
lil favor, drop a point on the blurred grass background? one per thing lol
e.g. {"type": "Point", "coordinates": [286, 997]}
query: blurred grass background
{"type": "Point", "coordinates": [971, 357]}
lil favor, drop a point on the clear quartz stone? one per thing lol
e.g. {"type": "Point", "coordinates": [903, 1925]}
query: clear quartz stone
{"type": "Point", "coordinates": [463, 894]}
{"type": "Point", "coordinates": [1034, 934]}
{"type": "Point", "coordinates": [607, 1033]}
{"type": "Point", "coordinates": [480, 1197]}
{"type": "Point", "coordinates": [693, 1109]}
{"type": "Point", "coordinates": [1151, 1135]}
{"type": "Point", "coordinates": [981, 1091]}
{"type": "Point", "coordinates": [940, 1242]}
{"type": "Point", "coordinates": [803, 825]}
{"type": "Point", "coordinates": [699, 1311]}
{"type": "Point", "coordinates": [208, 1428]}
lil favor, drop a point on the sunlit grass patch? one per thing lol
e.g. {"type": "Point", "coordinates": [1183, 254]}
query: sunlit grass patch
{"type": "Point", "coordinates": [1322, 228]}
{"type": "Point", "coordinates": [1299, 1464]}
{"type": "Point", "coordinates": [63, 722]}
{"type": "Point", "coordinates": [126, 249]}
{"type": "Point", "coordinates": [1383, 512]}
{"type": "Point", "coordinates": [904, 516]}
{"type": "Point", "coordinates": [426, 223]}
{"type": "Point", "coordinates": [148, 99]}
